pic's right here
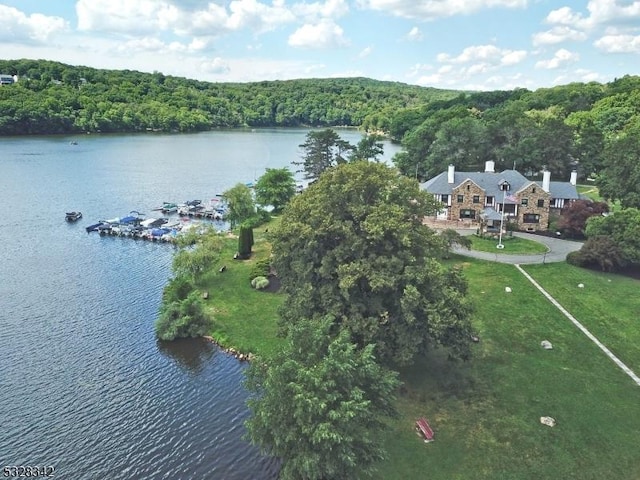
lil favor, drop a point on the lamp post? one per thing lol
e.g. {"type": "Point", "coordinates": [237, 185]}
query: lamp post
{"type": "Point", "coordinates": [500, 246]}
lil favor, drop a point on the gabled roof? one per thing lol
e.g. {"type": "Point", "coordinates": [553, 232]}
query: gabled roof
{"type": "Point", "coordinates": [490, 182]}
{"type": "Point", "coordinates": [563, 190]}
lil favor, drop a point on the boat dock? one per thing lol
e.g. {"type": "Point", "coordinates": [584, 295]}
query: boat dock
{"type": "Point", "coordinates": [191, 216]}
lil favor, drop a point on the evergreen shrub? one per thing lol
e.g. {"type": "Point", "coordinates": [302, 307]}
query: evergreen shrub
{"type": "Point", "coordinates": [260, 283]}
{"type": "Point", "coordinates": [262, 268]}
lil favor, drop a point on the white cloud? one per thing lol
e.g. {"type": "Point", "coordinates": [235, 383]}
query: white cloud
{"type": "Point", "coordinates": [20, 28]}
{"type": "Point", "coordinates": [599, 12]}
{"type": "Point", "coordinates": [561, 58]}
{"type": "Point", "coordinates": [325, 34]}
{"type": "Point", "coordinates": [216, 66]}
{"type": "Point", "coordinates": [151, 16]}
{"type": "Point", "coordinates": [414, 34]}
{"type": "Point", "coordinates": [558, 34]}
{"type": "Point", "coordinates": [257, 16]}
{"type": "Point", "coordinates": [365, 52]}
{"type": "Point", "coordinates": [431, 9]}
{"type": "Point", "coordinates": [313, 11]}
{"type": "Point", "coordinates": [124, 16]}
{"type": "Point", "coordinates": [485, 53]}
{"type": "Point", "coordinates": [513, 57]}
{"type": "Point", "coordinates": [603, 11]}
{"type": "Point", "coordinates": [619, 43]}
{"type": "Point", "coordinates": [564, 16]}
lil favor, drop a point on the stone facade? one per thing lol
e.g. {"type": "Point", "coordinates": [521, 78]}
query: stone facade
{"type": "Point", "coordinates": [480, 197]}
{"type": "Point", "coordinates": [531, 216]}
{"type": "Point", "coordinates": [527, 213]}
{"type": "Point", "coordinates": [467, 190]}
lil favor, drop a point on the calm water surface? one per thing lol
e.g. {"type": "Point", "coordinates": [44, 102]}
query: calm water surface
{"type": "Point", "coordinates": [84, 385]}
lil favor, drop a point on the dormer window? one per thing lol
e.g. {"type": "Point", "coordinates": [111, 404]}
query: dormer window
{"type": "Point", "coordinates": [504, 187]}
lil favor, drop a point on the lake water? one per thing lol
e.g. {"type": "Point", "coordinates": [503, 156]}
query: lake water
{"type": "Point", "coordinates": [84, 385]}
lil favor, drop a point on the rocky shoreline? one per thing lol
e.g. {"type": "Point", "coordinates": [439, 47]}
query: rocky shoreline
{"type": "Point", "coordinates": [243, 357]}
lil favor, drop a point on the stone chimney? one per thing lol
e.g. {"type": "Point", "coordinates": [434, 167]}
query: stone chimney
{"type": "Point", "coordinates": [574, 178]}
{"type": "Point", "coordinates": [489, 166]}
{"type": "Point", "coordinates": [451, 174]}
{"type": "Point", "coordinates": [546, 180]}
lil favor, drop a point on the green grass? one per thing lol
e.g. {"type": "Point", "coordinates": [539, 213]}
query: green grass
{"type": "Point", "coordinates": [512, 245]}
{"type": "Point", "coordinates": [608, 305]}
{"type": "Point", "coordinates": [486, 412]}
{"type": "Point", "coordinates": [245, 318]}
{"type": "Point", "coordinates": [590, 191]}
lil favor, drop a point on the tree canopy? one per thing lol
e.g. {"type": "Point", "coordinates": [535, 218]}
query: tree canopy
{"type": "Point", "coordinates": [620, 177]}
{"type": "Point", "coordinates": [319, 404]}
{"type": "Point", "coordinates": [241, 205]}
{"type": "Point", "coordinates": [322, 150]}
{"type": "Point", "coordinates": [353, 246]}
{"type": "Point", "coordinates": [52, 97]}
{"type": "Point", "coordinates": [276, 187]}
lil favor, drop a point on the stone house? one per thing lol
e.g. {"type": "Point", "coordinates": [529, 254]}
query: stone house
{"type": "Point", "coordinates": [489, 198]}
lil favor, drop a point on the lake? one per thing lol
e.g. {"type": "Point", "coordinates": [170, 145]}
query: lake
{"type": "Point", "coordinates": [84, 385]}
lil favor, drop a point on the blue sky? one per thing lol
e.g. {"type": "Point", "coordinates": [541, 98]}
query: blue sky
{"type": "Point", "coordinates": [458, 44]}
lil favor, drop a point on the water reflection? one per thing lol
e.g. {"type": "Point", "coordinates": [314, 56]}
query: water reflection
{"type": "Point", "coordinates": [190, 354]}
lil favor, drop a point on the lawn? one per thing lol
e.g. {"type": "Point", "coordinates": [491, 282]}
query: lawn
{"type": "Point", "coordinates": [608, 305]}
{"type": "Point", "coordinates": [512, 245]}
{"type": "Point", "coordinates": [590, 191]}
{"type": "Point", "coordinates": [245, 318]}
{"type": "Point", "coordinates": [486, 412]}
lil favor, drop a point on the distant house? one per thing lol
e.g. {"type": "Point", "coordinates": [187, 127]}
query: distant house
{"type": "Point", "coordinates": [7, 79]}
{"type": "Point", "coordinates": [484, 197]}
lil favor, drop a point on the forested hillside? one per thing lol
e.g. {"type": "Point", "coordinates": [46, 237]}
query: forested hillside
{"type": "Point", "coordinates": [52, 97]}
{"type": "Point", "coordinates": [575, 126]}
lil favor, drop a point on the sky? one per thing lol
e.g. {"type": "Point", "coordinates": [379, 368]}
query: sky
{"type": "Point", "coordinates": [451, 44]}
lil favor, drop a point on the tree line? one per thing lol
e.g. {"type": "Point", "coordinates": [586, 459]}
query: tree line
{"type": "Point", "coordinates": [52, 97]}
{"type": "Point", "coordinates": [589, 127]}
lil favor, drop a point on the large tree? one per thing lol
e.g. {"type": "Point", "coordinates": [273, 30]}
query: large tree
{"type": "Point", "coordinates": [369, 147]}
{"type": "Point", "coordinates": [241, 204]}
{"type": "Point", "coordinates": [276, 188]}
{"type": "Point", "coordinates": [353, 246]}
{"type": "Point", "coordinates": [623, 228]}
{"type": "Point", "coordinates": [620, 178]}
{"type": "Point", "coordinates": [322, 149]}
{"type": "Point", "coordinates": [320, 403]}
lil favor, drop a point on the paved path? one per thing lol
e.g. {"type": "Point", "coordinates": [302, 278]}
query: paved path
{"type": "Point", "coordinates": [557, 250]}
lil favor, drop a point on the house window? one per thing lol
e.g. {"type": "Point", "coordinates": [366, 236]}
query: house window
{"type": "Point", "coordinates": [471, 214]}
{"type": "Point", "coordinates": [489, 201]}
{"type": "Point", "coordinates": [533, 190]}
{"type": "Point", "coordinates": [524, 202]}
{"type": "Point", "coordinates": [445, 199]}
{"type": "Point", "coordinates": [531, 218]}
{"type": "Point", "coordinates": [505, 187]}
{"type": "Point", "coordinates": [541, 203]}
{"type": "Point", "coordinates": [468, 187]}
{"type": "Point", "coordinates": [476, 199]}
{"type": "Point", "coordinates": [460, 198]}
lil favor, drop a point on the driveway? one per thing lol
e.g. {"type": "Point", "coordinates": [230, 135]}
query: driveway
{"type": "Point", "coordinates": [557, 250]}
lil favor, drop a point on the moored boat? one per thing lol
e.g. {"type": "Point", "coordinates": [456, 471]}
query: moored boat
{"type": "Point", "coordinates": [73, 216]}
